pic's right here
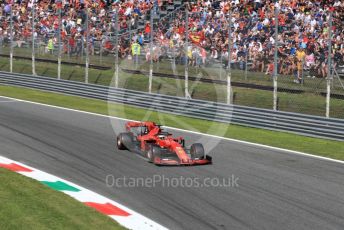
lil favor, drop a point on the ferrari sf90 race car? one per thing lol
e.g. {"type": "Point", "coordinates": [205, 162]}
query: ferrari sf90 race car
{"type": "Point", "coordinates": [159, 147]}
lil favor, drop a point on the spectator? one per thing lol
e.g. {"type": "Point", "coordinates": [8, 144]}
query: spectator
{"type": "Point", "coordinates": [50, 46]}
{"type": "Point", "coordinates": [136, 51]}
{"type": "Point", "coordinates": [303, 30]}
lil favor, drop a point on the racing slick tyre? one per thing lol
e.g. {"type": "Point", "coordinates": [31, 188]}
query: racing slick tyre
{"type": "Point", "coordinates": [197, 151]}
{"type": "Point", "coordinates": [152, 153]}
{"type": "Point", "coordinates": [124, 140]}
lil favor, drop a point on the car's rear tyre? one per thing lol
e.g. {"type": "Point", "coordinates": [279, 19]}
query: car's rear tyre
{"type": "Point", "coordinates": [154, 151]}
{"type": "Point", "coordinates": [197, 151]}
{"type": "Point", "coordinates": [124, 140]}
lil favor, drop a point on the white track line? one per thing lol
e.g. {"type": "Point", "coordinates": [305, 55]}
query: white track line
{"type": "Point", "coordinates": [6, 101]}
{"type": "Point", "coordinates": [198, 133]}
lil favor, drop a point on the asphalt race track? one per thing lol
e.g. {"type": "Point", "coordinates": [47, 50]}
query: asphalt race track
{"type": "Point", "coordinates": [276, 189]}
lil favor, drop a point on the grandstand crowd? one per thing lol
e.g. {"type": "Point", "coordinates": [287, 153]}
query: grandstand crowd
{"type": "Point", "coordinates": [302, 32]}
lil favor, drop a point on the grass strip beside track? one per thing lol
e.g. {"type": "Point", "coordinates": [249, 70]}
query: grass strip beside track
{"type": "Point", "coordinates": [309, 102]}
{"type": "Point", "coordinates": [28, 204]}
{"type": "Point", "coordinates": [316, 146]}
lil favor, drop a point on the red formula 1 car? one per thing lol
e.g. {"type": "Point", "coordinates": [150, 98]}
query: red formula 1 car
{"type": "Point", "coordinates": [159, 147]}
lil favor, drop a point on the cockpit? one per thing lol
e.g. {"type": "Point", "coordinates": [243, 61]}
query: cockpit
{"type": "Point", "coordinates": [163, 135]}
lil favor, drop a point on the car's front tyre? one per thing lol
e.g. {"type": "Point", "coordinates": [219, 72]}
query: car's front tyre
{"type": "Point", "coordinates": [197, 151]}
{"type": "Point", "coordinates": [152, 153]}
{"type": "Point", "coordinates": [124, 140]}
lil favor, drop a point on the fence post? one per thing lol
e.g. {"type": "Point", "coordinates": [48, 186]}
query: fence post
{"type": "Point", "coordinates": [328, 96]}
{"type": "Point", "coordinates": [11, 37]}
{"type": "Point", "coordinates": [1, 43]}
{"type": "Point", "coordinates": [101, 51]}
{"type": "Point", "coordinates": [303, 72]}
{"type": "Point", "coordinates": [221, 61]}
{"type": "Point", "coordinates": [151, 52]}
{"type": "Point", "coordinates": [68, 47]}
{"type": "Point", "coordinates": [59, 46]}
{"type": "Point", "coordinates": [275, 59]}
{"type": "Point", "coordinates": [116, 50]}
{"type": "Point", "coordinates": [173, 46]}
{"type": "Point", "coordinates": [173, 56]}
{"type": "Point", "coordinates": [33, 39]}
{"type": "Point", "coordinates": [82, 47]}
{"type": "Point", "coordinates": [329, 62]}
{"type": "Point", "coordinates": [246, 59]}
{"type": "Point", "coordinates": [229, 71]}
{"type": "Point", "coordinates": [187, 95]}
{"type": "Point", "coordinates": [130, 36]}
{"type": "Point", "coordinates": [87, 48]}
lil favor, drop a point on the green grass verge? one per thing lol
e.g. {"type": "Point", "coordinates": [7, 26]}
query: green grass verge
{"type": "Point", "coordinates": [308, 103]}
{"type": "Point", "coordinates": [316, 146]}
{"type": "Point", "coordinates": [28, 204]}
